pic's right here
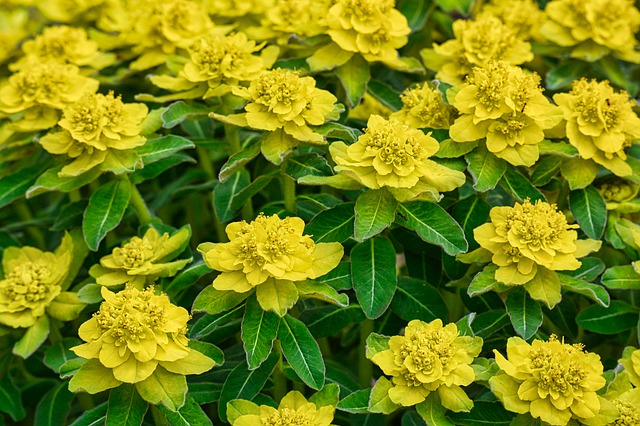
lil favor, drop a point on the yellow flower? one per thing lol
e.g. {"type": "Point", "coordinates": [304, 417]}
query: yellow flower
{"type": "Point", "coordinates": [95, 129]}
{"type": "Point", "coordinates": [587, 25]}
{"type": "Point", "coordinates": [423, 106]}
{"type": "Point", "coordinates": [133, 335]}
{"type": "Point", "coordinates": [368, 107]}
{"type": "Point", "coordinates": [523, 16]}
{"type": "Point", "coordinates": [237, 8]}
{"type": "Point", "coordinates": [293, 410]}
{"type": "Point", "coordinates": [285, 17]}
{"type": "Point", "coordinates": [628, 405]}
{"type": "Point", "coordinates": [33, 279]}
{"type": "Point", "coordinates": [40, 90]}
{"type": "Point", "coordinates": [216, 64]}
{"type": "Point", "coordinates": [143, 260]}
{"type": "Point", "coordinates": [393, 155]}
{"type": "Point", "coordinates": [600, 123]}
{"type": "Point", "coordinates": [505, 105]}
{"type": "Point", "coordinates": [553, 381]}
{"type": "Point", "coordinates": [281, 99]}
{"type": "Point", "coordinates": [372, 28]}
{"type": "Point", "coordinates": [620, 195]}
{"type": "Point", "coordinates": [430, 358]}
{"type": "Point", "coordinates": [63, 44]}
{"type": "Point", "coordinates": [631, 363]}
{"type": "Point", "coordinates": [269, 255]}
{"type": "Point", "coordinates": [13, 28]}
{"type": "Point", "coordinates": [476, 43]}
{"type": "Point", "coordinates": [69, 10]}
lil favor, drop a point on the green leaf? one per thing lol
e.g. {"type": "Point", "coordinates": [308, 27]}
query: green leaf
{"type": "Point", "coordinates": [621, 278]}
{"type": "Point", "coordinates": [416, 13]}
{"type": "Point", "coordinates": [239, 159]}
{"type": "Point", "coordinates": [339, 277]}
{"type": "Point", "coordinates": [354, 76]}
{"type": "Point", "coordinates": [384, 93]}
{"type": "Point", "coordinates": [374, 211]}
{"type": "Point", "coordinates": [338, 131]}
{"type": "Point", "coordinates": [615, 73]}
{"type": "Point", "coordinates": [589, 270]}
{"type": "Point", "coordinates": [105, 211]}
{"type": "Point", "coordinates": [208, 350]}
{"type": "Point", "coordinates": [259, 329]}
{"type": "Point", "coordinates": [432, 411]}
{"type": "Point", "coordinates": [225, 192]}
{"type": "Point", "coordinates": [153, 170]}
{"type": "Point", "coordinates": [579, 172]}
{"type": "Point", "coordinates": [564, 73]}
{"type": "Point", "coordinates": [376, 343]}
{"type": "Point", "coordinates": [187, 277]}
{"type": "Point", "coordinates": [327, 320]}
{"type": "Point", "coordinates": [71, 367]}
{"type": "Point", "coordinates": [207, 324]}
{"type": "Point", "coordinates": [164, 387]}
{"type": "Point", "coordinates": [163, 147]}
{"type": "Point", "coordinates": [243, 383]}
{"type": "Point", "coordinates": [433, 224]}
{"type": "Point", "coordinates": [15, 185]}
{"type": "Point", "coordinates": [562, 149]}
{"type": "Point", "coordinates": [470, 213]}
{"type": "Point", "coordinates": [32, 338]}
{"type": "Point", "coordinates": [205, 392]}
{"type": "Point", "coordinates": [417, 299]}
{"type": "Point", "coordinates": [328, 395]}
{"type": "Point", "coordinates": [90, 293]}
{"type": "Point", "coordinates": [356, 402]}
{"type": "Point", "coordinates": [302, 352]}
{"type": "Point", "coordinates": [525, 313]}
{"type": "Point", "coordinates": [244, 196]}
{"type": "Point", "coordinates": [97, 416]}
{"type": "Point", "coordinates": [595, 292]}
{"type": "Point", "coordinates": [60, 353]}
{"type": "Point", "coordinates": [489, 322]}
{"type": "Point", "coordinates": [590, 210]}
{"type": "Point", "coordinates": [179, 111]}
{"type": "Point", "coordinates": [519, 186]}
{"type": "Point", "coordinates": [321, 291]}
{"type": "Point", "coordinates": [310, 164]}
{"type": "Point", "coordinates": [411, 418]}
{"type": "Point", "coordinates": [546, 169]}
{"type": "Point", "coordinates": [483, 413]}
{"type": "Point", "coordinates": [50, 181]}
{"type": "Point", "coordinates": [335, 224]}
{"type": "Point", "coordinates": [10, 401]}
{"type": "Point", "coordinates": [126, 407]}
{"type": "Point", "coordinates": [214, 301]}
{"type": "Point", "coordinates": [451, 149]}
{"type": "Point", "coordinates": [373, 270]}
{"type": "Point", "coordinates": [617, 317]}
{"type": "Point", "coordinates": [486, 168]}
{"type": "Point", "coordinates": [379, 401]}
{"type": "Point", "coordinates": [189, 414]}
{"type": "Point", "coordinates": [54, 407]}
{"type": "Point", "coordinates": [484, 281]}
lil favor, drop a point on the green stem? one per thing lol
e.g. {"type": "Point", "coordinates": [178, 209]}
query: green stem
{"type": "Point", "coordinates": [144, 215]}
{"type": "Point", "coordinates": [289, 190]}
{"type": "Point", "coordinates": [54, 332]}
{"type": "Point", "coordinates": [25, 215]}
{"type": "Point", "coordinates": [231, 134]}
{"type": "Point", "coordinates": [365, 367]}
{"type": "Point", "coordinates": [75, 195]}
{"type": "Point", "coordinates": [204, 160]}
{"type": "Point", "coordinates": [279, 380]}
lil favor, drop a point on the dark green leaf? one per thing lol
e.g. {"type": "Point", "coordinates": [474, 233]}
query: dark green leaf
{"type": "Point", "coordinates": [356, 403]}
{"type": "Point", "coordinates": [60, 353]}
{"type": "Point", "coordinates": [245, 194]}
{"type": "Point", "coordinates": [564, 73]}
{"type": "Point", "coordinates": [411, 418]}
{"type": "Point", "coordinates": [621, 277]}
{"type": "Point", "coordinates": [487, 323]}
{"type": "Point", "coordinates": [190, 414]}
{"type": "Point", "coordinates": [339, 278]}
{"type": "Point", "coordinates": [590, 269]}
{"type": "Point", "coordinates": [519, 186]}
{"type": "Point", "coordinates": [126, 407]}
{"type": "Point", "coordinates": [70, 216]}
{"type": "Point", "coordinates": [432, 411]}
{"type": "Point", "coordinates": [590, 210]}
{"type": "Point", "coordinates": [483, 413]}
{"type": "Point", "coordinates": [10, 401]}
{"type": "Point", "coordinates": [416, 299]}
{"type": "Point", "coordinates": [373, 272]}
{"type": "Point", "coordinates": [259, 329]}
{"type": "Point", "coordinates": [105, 211]}
{"type": "Point", "coordinates": [179, 111]}
{"type": "Point", "coordinates": [153, 170]}
{"type": "Point", "coordinates": [327, 320]}
{"type": "Point", "coordinates": [374, 211]}
{"type": "Point", "coordinates": [470, 213]}
{"type": "Point", "coordinates": [384, 93]}
{"type": "Point", "coordinates": [338, 131]}
{"type": "Point", "coordinates": [15, 185]}
{"type": "Point", "coordinates": [354, 76]}
{"type": "Point", "coordinates": [224, 193]}
{"type": "Point", "coordinates": [312, 164]}
{"type": "Point", "coordinates": [163, 147]}
{"type": "Point", "coordinates": [335, 224]}
{"type": "Point", "coordinates": [546, 169]}
{"type": "Point", "coordinates": [525, 313]}
{"type": "Point", "coordinates": [205, 392]}
{"type": "Point", "coordinates": [53, 408]}
{"type": "Point", "coordinates": [433, 224]}
{"type": "Point", "coordinates": [239, 159]}
{"type": "Point", "coordinates": [619, 316]}
{"type": "Point", "coordinates": [97, 416]}
{"type": "Point", "coordinates": [302, 352]}
{"type": "Point", "coordinates": [187, 277]}
{"type": "Point", "coordinates": [486, 168]}
{"type": "Point", "coordinates": [50, 181]}
{"type": "Point", "coordinates": [595, 292]}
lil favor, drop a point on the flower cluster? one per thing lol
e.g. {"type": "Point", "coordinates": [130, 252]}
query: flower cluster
{"type": "Point", "coordinates": [594, 28]}
{"type": "Point", "coordinates": [142, 261]}
{"type": "Point", "coordinates": [505, 105]}
{"type": "Point", "coordinates": [393, 155]}
{"type": "Point", "coordinates": [13, 28]}
{"type": "Point", "coordinates": [285, 17]}
{"type": "Point", "coordinates": [423, 107]}
{"type": "Point", "coordinates": [476, 43]}
{"type": "Point", "coordinates": [552, 381]}
{"type": "Point", "coordinates": [269, 255]}
{"type": "Point", "coordinates": [133, 336]}
{"type": "Point", "coordinates": [98, 130]}
{"type": "Point", "coordinates": [523, 16]}
{"type": "Point", "coordinates": [620, 195]}
{"type": "Point", "coordinates": [600, 123]}
{"type": "Point", "coordinates": [430, 358]}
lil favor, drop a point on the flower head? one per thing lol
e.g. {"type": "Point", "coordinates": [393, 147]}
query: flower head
{"type": "Point", "coordinates": [594, 28]}
{"type": "Point", "coordinates": [476, 43]}
{"type": "Point", "coordinates": [69, 10]}
{"type": "Point", "coordinates": [423, 107]}
{"type": "Point", "coordinates": [286, 17]}
{"type": "Point", "coordinates": [523, 16]}
{"type": "Point", "coordinates": [393, 155]}
{"type": "Point", "coordinates": [143, 260]}
{"type": "Point", "coordinates": [237, 8]}
{"type": "Point", "coordinates": [32, 280]}
{"type": "Point", "coordinates": [553, 381]}
{"type": "Point", "coordinates": [293, 410]}
{"type": "Point", "coordinates": [600, 123]}
{"type": "Point", "coordinates": [266, 254]}
{"type": "Point", "coordinates": [620, 195]}
{"type": "Point", "coordinates": [134, 333]}
{"type": "Point", "coordinates": [13, 28]}
{"type": "Point", "coordinates": [430, 358]}
{"type": "Point", "coordinates": [631, 363]}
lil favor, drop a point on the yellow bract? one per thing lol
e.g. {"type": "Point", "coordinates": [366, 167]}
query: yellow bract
{"type": "Point", "coordinates": [552, 381]}
{"type": "Point", "coordinates": [476, 43]}
{"type": "Point", "coordinates": [285, 17]}
{"type": "Point", "coordinates": [132, 334]}
{"type": "Point", "coordinates": [430, 358]}
{"type": "Point", "coordinates": [631, 363]}
{"type": "Point", "coordinates": [523, 16]}
{"type": "Point", "coordinates": [13, 28]}
{"type": "Point", "coordinates": [594, 28]}
{"type": "Point", "coordinates": [32, 280]}
{"type": "Point", "coordinates": [600, 123]}
{"type": "Point", "coordinates": [142, 260]}
{"type": "Point", "coordinates": [506, 106]}
{"type": "Point", "coordinates": [620, 195]}
{"type": "Point", "coordinates": [393, 155]}
{"type": "Point", "coordinates": [423, 106]}
{"type": "Point", "coordinates": [269, 254]}
{"type": "Point", "coordinates": [293, 410]}
{"type": "Point", "coordinates": [96, 127]}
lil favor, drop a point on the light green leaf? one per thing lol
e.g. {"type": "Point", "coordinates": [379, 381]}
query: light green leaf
{"type": "Point", "coordinates": [50, 181]}
{"type": "Point", "coordinates": [214, 301]}
{"type": "Point", "coordinates": [374, 211]}
{"type": "Point", "coordinates": [105, 211]}
{"type": "Point", "coordinates": [32, 338]}
{"type": "Point", "coordinates": [486, 168]}
{"type": "Point", "coordinates": [164, 387]}
{"type": "Point", "coordinates": [354, 77]}
{"type": "Point", "coordinates": [484, 281]}
{"type": "Point", "coordinates": [66, 306]}
{"type": "Point", "coordinates": [322, 291]}
{"type": "Point", "coordinates": [621, 277]}
{"type": "Point", "coordinates": [179, 111]}
{"type": "Point", "coordinates": [239, 159]}
{"type": "Point", "coordinates": [579, 172]}
{"type": "Point", "coordinates": [432, 411]}
{"type": "Point", "coordinates": [450, 149]}
{"type": "Point", "coordinates": [379, 401]}
{"type": "Point", "coordinates": [376, 343]}
{"type": "Point", "coordinates": [595, 292]}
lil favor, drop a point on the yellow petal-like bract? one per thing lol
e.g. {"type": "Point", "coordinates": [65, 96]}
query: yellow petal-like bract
{"type": "Point", "coordinates": [423, 107]}
{"type": "Point", "coordinates": [552, 381]}
{"type": "Point", "coordinates": [429, 358]}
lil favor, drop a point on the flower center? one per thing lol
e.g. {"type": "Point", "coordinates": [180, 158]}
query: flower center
{"type": "Point", "coordinates": [427, 349]}
{"type": "Point", "coordinates": [597, 103]}
{"type": "Point", "coordinates": [286, 417]}
{"type": "Point", "coordinates": [26, 283]}
{"type": "Point", "coordinates": [511, 128]}
{"type": "Point", "coordinates": [134, 253]}
{"type": "Point", "coordinates": [112, 109]}
{"type": "Point", "coordinates": [391, 144]}
{"type": "Point", "coordinates": [277, 87]}
{"type": "Point", "coordinates": [86, 115]}
{"type": "Point", "coordinates": [629, 415]}
{"type": "Point", "coordinates": [559, 370]}
{"type": "Point", "coordinates": [490, 82]}
{"type": "Point", "coordinates": [537, 225]}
